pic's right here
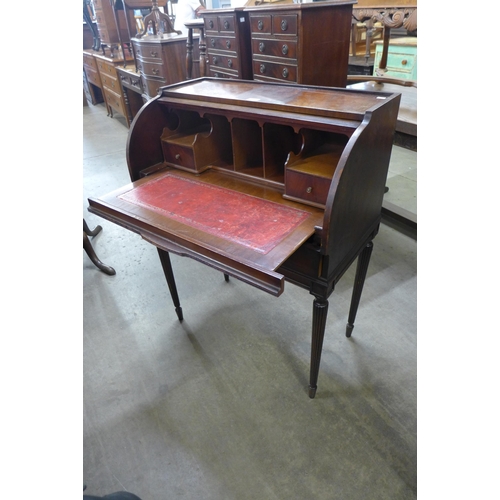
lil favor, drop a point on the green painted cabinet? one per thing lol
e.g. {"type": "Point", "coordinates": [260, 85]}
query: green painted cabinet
{"type": "Point", "coordinates": [401, 58]}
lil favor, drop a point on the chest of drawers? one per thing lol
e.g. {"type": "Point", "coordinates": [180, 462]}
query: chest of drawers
{"type": "Point", "coordinates": [161, 60]}
{"type": "Point", "coordinates": [106, 23]}
{"type": "Point", "coordinates": [227, 35]}
{"type": "Point", "coordinates": [111, 87]}
{"type": "Point", "coordinates": [301, 43]}
{"type": "Point", "coordinates": [92, 80]}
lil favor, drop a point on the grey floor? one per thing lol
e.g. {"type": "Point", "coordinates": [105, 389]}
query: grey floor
{"type": "Point", "coordinates": [216, 407]}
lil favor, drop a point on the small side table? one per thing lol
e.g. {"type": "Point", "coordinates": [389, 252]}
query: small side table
{"type": "Point", "coordinates": [199, 25]}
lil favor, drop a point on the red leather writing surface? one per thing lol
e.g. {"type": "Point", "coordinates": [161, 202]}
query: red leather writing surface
{"type": "Point", "coordinates": [237, 217]}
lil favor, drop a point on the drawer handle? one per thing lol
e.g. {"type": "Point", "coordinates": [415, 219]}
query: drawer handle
{"type": "Point", "coordinates": [284, 25]}
{"type": "Point", "coordinates": [177, 156]}
{"type": "Point", "coordinates": [216, 60]}
{"type": "Point", "coordinates": [154, 54]}
{"type": "Point", "coordinates": [285, 73]}
{"type": "Point", "coordinates": [262, 47]}
{"type": "Point", "coordinates": [226, 25]}
{"type": "Point", "coordinates": [260, 25]}
{"type": "Point", "coordinates": [309, 190]}
{"type": "Point", "coordinates": [156, 71]}
{"type": "Point", "coordinates": [228, 44]}
{"type": "Point", "coordinates": [210, 24]}
{"type": "Point", "coordinates": [212, 42]}
{"type": "Point", "coordinates": [229, 63]}
{"type": "Point", "coordinates": [284, 49]}
{"type": "Point", "coordinates": [404, 62]}
{"type": "Point", "coordinates": [262, 68]}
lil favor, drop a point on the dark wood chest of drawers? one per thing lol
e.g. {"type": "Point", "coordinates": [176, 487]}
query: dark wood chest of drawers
{"type": "Point", "coordinates": [301, 43]}
{"type": "Point", "coordinates": [162, 61]}
{"type": "Point", "coordinates": [227, 34]}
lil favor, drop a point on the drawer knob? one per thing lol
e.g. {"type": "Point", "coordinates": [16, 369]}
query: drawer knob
{"type": "Point", "coordinates": [404, 62]}
{"type": "Point", "coordinates": [156, 71]}
{"type": "Point", "coordinates": [229, 63]}
{"type": "Point", "coordinates": [210, 24]}
{"type": "Point", "coordinates": [262, 47]}
{"type": "Point", "coordinates": [285, 72]}
{"type": "Point", "coordinates": [262, 68]}
{"type": "Point", "coordinates": [154, 54]}
{"type": "Point", "coordinates": [177, 156]}
{"type": "Point", "coordinates": [216, 60]}
{"type": "Point", "coordinates": [309, 190]}
{"type": "Point", "coordinates": [212, 42]}
{"type": "Point", "coordinates": [284, 25]}
{"type": "Point", "coordinates": [228, 44]}
{"type": "Point", "coordinates": [284, 49]}
{"type": "Point", "coordinates": [226, 25]}
{"type": "Point", "coordinates": [260, 25]}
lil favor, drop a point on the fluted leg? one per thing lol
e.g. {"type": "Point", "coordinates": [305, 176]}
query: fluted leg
{"type": "Point", "coordinates": [359, 281]}
{"type": "Point", "coordinates": [169, 274]}
{"type": "Point", "coordinates": [320, 311]}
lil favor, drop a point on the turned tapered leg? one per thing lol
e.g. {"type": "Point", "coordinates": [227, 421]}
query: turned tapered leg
{"type": "Point", "coordinates": [169, 274]}
{"type": "Point", "coordinates": [320, 311]}
{"type": "Point", "coordinates": [359, 281]}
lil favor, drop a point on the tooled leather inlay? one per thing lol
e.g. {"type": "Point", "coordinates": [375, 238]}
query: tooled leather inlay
{"type": "Point", "coordinates": [237, 217]}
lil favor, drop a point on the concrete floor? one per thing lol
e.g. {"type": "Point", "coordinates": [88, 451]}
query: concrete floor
{"type": "Point", "coordinates": [216, 407]}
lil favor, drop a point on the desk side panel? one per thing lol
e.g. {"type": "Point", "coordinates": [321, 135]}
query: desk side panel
{"type": "Point", "coordinates": [354, 203]}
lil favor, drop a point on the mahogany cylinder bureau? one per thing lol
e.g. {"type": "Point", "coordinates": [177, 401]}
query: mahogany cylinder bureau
{"type": "Point", "coordinates": [264, 182]}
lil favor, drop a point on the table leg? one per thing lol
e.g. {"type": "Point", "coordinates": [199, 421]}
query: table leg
{"type": "Point", "coordinates": [169, 274]}
{"type": "Point", "coordinates": [359, 281]}
{"type": "Point", "coordinates": [320, 311]}
{"type": "Point", "coordinates": [189, 53]}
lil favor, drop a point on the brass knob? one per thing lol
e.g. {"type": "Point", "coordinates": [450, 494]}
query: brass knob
{"type": "Point", "coordinates": [262, 47]}
{"type": "Point", "coordinates": [260, 25]}
{"type": "Point", "coordinates": [309, 189]}
{"type": "Point", "coordinates": [226, 25]}
{"type": "Point", "coordinates": [285, 73]}
{"type": "Point", "coordinates": [262, 68]}
{"type": "Point", "coordinates": [153, 53]}
{"type": "Point", "coordinates": [404, 62]}
{"type": "Point", "coordinates": [284, 49]}
{"type": "Point", "coordinates": [229, 63]}
{"type": "Point", "coordinates": [228, 44]}
{"type": "Point", "coordinates": [216, 60]}
{"type": "Point", "coordinates": [210, 24]}
{"type": "Point", "coordinates": [284, 25]}
{"type": "Point", "coordinates": [156, 71]}
{"type": "Point", "coordinates": [212, 42]}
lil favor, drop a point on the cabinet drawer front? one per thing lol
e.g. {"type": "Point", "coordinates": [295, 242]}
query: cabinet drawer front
{"type": "Point", "coordinates": [226, 24]}
{"type": "Point", "coordinates": [260, 24]}
{"type": "Point", "coordinates": [221, 43]}
{"type": "Point", "coordinates": [131, 81]}
{"type": "Point", "coordinates": [285, 72]}
{"type": "Point", "coordinates": [217, 73]}
{"type": "Point", "coordinates": [115, 101]}
{"type": "Point", "coordinates": [148, 52]}
{"type": "Point", "coordinates": [218, 61]}
{"type": "Point", "coordinates": [110, 83]}
{"type": "Point", "coordinates": [401, 62]}
{"type": "Point", "coordinates": [151, 69]}
{"type": "Point", "coordinates": [277, 48]}
{"type": "Point", "coordinates": [211, 23]}
{"type": "Point", "coordinates": [93, 76]}
{"type": "Point", "coordinates": [89, 61]}
{"type": "Point", "coordinates": [178, 155]}
{"type": "Point", "coordinates": [285, 25]}
{"type": "Point", "coordinates": [306, 187]}
{"type": "Point", "coordinates": [106, 69]}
